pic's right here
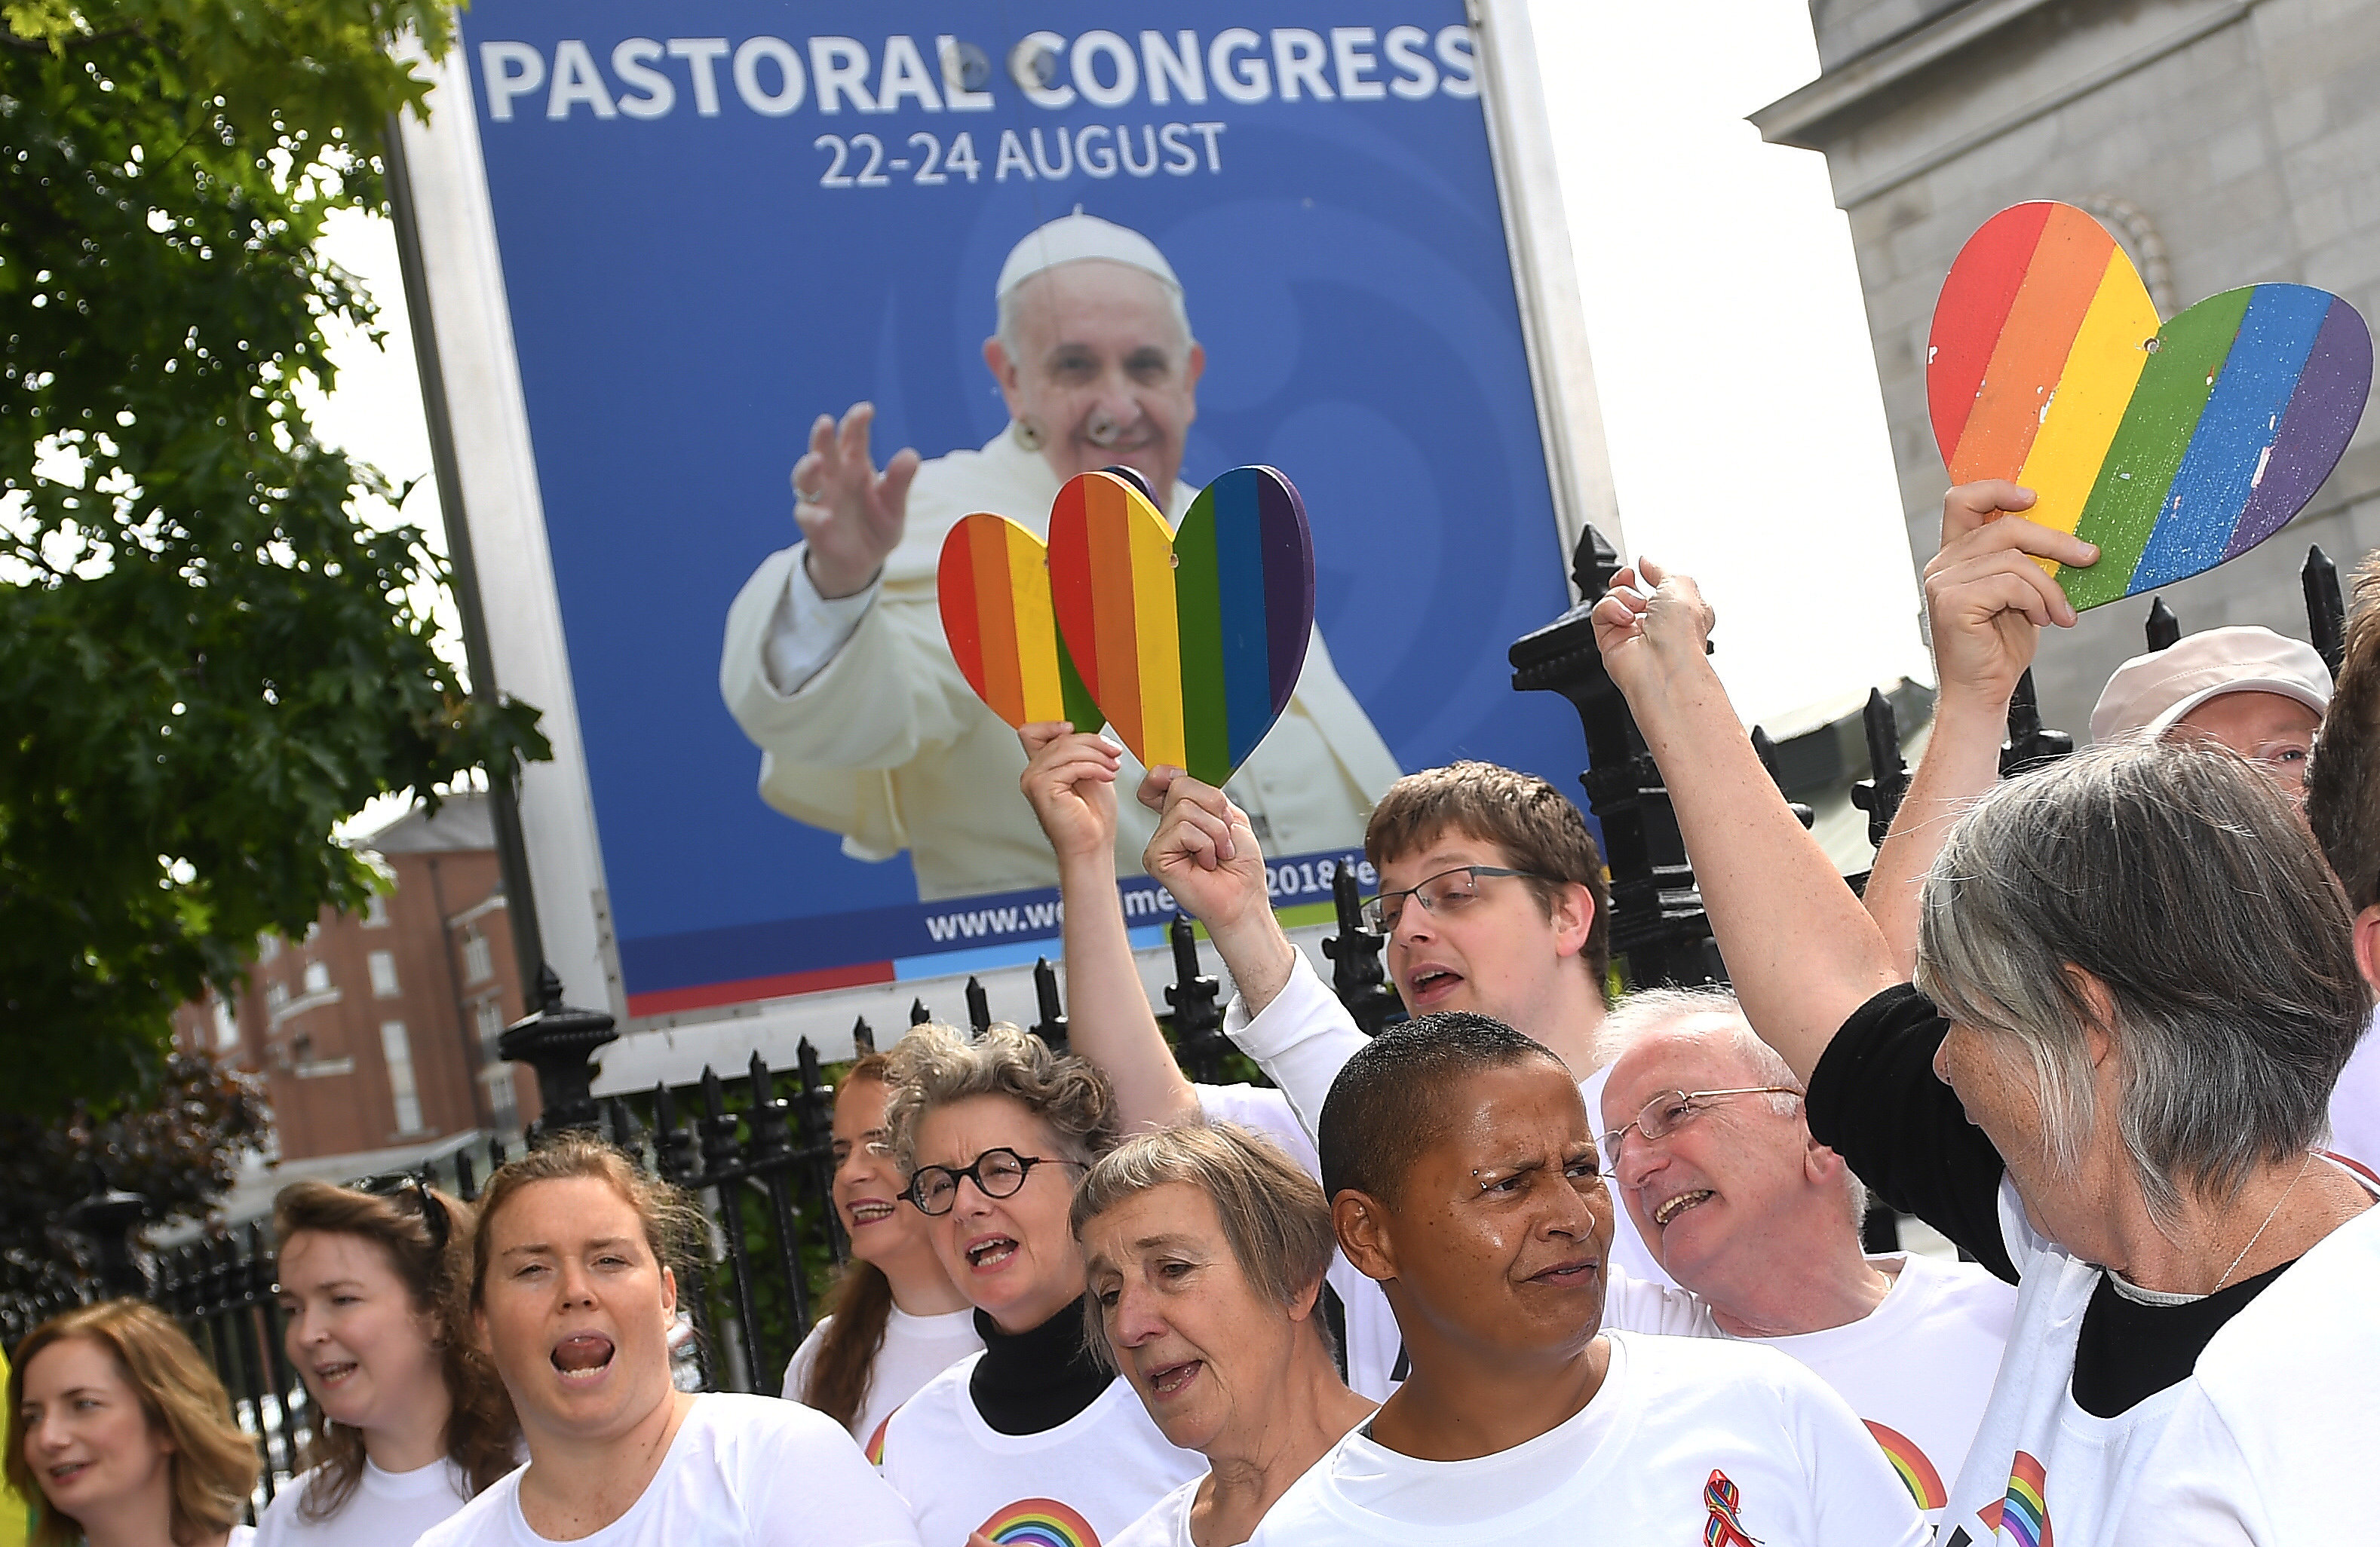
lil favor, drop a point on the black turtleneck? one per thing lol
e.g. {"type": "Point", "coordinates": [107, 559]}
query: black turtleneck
{"type": "Point", "coordinates": [1031, 1381]}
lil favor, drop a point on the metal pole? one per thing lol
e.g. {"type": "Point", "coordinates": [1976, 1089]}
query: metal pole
{"type": "Point", "coordinates": [504, 794]}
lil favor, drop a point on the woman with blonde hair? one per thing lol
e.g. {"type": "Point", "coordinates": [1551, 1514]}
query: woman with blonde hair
{"type": "Point", "coordinates": [411, 1421]}
{"type": "Point", "coordinates": [573, 1294]}
{"type": "Point", "coordinates": [122, 1436]}
{"type": "Point", "coordinates": [1033, 1438]}
{"type": "Point", "coordinates": [897, 1321]}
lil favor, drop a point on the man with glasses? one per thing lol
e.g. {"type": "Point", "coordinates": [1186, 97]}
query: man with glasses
{"type": "Point", "coordinates": [1707, 1149]}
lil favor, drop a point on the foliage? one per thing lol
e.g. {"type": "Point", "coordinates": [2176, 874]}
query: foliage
{"type": "Point", "coordinates": [205, 660]}
{"type": "Point", "coordinates": [178, 1148]}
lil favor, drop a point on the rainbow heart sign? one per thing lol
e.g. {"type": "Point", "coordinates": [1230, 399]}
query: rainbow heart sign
{"type": "Point", "coordinates": [993, 587]}
{"type": "Point", "coordinates": [2172, 446]}
{"type": "Point", "coordinates": [1190, 642]}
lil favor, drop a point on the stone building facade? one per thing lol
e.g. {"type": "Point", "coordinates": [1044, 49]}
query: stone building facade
{"type": "Point", "coordinates": [376, 1033]}
{"type": "Point", "coordinates": [2224, 142]}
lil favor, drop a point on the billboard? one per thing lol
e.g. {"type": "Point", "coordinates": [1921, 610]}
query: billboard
{"type": "Point", "coordinates": [670, 236]}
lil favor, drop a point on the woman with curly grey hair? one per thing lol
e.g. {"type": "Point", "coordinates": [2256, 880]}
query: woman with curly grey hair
{"type": "Point", "coordinates": [1034, 1434]}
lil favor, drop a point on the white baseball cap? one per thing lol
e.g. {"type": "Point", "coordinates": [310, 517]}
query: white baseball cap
{"type": "Point", "coordinates": [1074, 239]}
{"type": "Point", "coordinates": [2156, 690]}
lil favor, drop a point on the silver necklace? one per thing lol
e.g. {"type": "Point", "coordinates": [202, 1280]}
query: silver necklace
{"type": "Point", "coordinates": [2261, 1229]}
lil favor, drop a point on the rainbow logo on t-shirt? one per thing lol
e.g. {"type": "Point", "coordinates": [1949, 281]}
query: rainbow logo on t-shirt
{"type": "Point", "coordinates": [2025, 1515]}
{"type": "Point", "coordinates": [876, 1441]}
{"type": "Point", "coordinates": [1038, 1523]}
{"type": "Point", "coordinates": [1917, 1473]}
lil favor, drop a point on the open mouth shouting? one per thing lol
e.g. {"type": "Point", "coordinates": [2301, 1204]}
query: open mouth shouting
{"type": "Point", "coordinates": [1672, 1207]}
{"type": "Point", "coordinates": [1431, 984]}
{"type": "Point", "coordinates": [989, 1253]}
{"type": "Point", "coordinates": [582, 1356]}
{"type": "Point", "coordinates": [1170, 1378]}
{"type": "Point", "coordinates": [332, 1374]}
{"type": "Point", "coordinates": [860, 1212]}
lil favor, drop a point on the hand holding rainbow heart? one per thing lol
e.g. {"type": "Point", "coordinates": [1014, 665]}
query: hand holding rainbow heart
{"type": "Point", "coordinates": [2174, 447]}
{"type": "Point", "coordinates": [1189, 643]}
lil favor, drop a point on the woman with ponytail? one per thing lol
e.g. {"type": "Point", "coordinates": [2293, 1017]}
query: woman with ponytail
{"type": "Point", "coordinates": [897, 1321]}
{"type": "Point", "coordinates": [410, 1421]}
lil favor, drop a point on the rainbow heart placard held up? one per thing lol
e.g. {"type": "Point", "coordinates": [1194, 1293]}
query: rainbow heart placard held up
{"type": "Point", "coordinates": [2172, 446]}
{"type": "Point", "coordinates": [993, 587]}
{"type": "Point", "coordinates": [1191, 641]}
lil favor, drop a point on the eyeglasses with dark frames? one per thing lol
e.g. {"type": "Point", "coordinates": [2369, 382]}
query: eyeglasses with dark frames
{"type": "Point", "coordinates": [997, 1173]}
{"type": "Point", "coordinates": [1447, 892]}
{"type": "Point", "coordinates": [1672, 1110]}
{"type": "Point", "coordinates": [398, 1186]}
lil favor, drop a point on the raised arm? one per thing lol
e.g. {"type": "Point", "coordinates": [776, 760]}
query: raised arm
{"type": "Point", "coordinates": [1801, 951]}
{"type": "Point", "coordinates": [1070, 782]}
{"type": "Point", "coordinates": [1986, 602]}
{"type": "Point", "coordinates": [1205, 852]}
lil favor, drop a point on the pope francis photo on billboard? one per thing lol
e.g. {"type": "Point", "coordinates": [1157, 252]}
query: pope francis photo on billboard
{"type": "Point", "coordinates": [834, 662]}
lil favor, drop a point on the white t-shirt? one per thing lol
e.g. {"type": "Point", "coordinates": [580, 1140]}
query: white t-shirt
{"type": "Point", "coordinates": [2041, 1464]}
{"type": "Point", "coordinates": [1683, 1437]}
{"type": "Point", "coordinates": [1917, 1370]}
{"type": "Point", "coordinates": [393, 1508]}
{"type": "Point", "coordinates": [1078, 1484]}
{"type": "Point", "coordinates": [915, 1350]}
{"type": "Point", "coordinates": [1166, 1524]}
{"type": "Point", "coordinates": [2269, 1443]}
{"type": "Point", "coordinates": [741, 1469]}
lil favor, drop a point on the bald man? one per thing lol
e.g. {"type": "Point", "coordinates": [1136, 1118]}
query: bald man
{"type": "Point", "coordinates": [834, 662]}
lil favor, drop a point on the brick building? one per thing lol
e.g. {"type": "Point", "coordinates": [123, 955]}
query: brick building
{"type": "Point", "coordinates": [2223, 142]}
{"type": "Point", "coordinates": [377, 1031]}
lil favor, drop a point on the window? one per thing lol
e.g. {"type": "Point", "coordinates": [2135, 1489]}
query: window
{"type": "Point", "coordinates": [384, 973]}
{"type": "Point", "coordinates": [275, 995]}
{"type": "Point", "coordinates": [398, 1052]}
{"type": "Point", "coordinates": [490, 1018]}
{"type": "Point", "coordinates": [267, 947]}
{"type": "Point", "coordinates": [318, 977]}
{"type": "Point", "coordinates": [226, 1025]}
{"type": "Point", "coordinates": [479, 961]}
{"type": "Point", "coordinates": [376, 911]}
{"type": "Point", "coordinates": [503, 1105]}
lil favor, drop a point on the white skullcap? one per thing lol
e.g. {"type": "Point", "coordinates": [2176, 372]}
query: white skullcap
{"type": "Point", "coordinates": [1074, 239]}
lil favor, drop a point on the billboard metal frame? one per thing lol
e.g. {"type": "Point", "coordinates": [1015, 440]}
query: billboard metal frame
{"type": "Point", "coordinates": [488, 485]}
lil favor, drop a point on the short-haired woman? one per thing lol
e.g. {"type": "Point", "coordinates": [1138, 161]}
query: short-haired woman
{"type": "Point", "coordinates": [2135, 988]}
{"type": "Point", "coordinates": [1034, 1434]}
{"type": "Point", "coordinates": [1206, 1247]}
{"type": "Point", "coordinates": [122, 1436]}
{"type": "Point", "coordinates": [411, 1420]}
{"type": "Point", "coordinates": [898, 1321]}
{"type": "Point", "coordinates": [573, 1296]}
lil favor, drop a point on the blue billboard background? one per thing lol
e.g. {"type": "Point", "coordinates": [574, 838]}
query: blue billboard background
{"type": "Point", "coordinates": [693, 274]}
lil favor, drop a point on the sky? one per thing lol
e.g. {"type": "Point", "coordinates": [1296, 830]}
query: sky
{"type": "Point", "coordinates": [1739, 396]}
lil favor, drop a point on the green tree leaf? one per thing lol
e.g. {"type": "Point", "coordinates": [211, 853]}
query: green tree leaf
{"type": "Point", "coordinates": [206, 659]}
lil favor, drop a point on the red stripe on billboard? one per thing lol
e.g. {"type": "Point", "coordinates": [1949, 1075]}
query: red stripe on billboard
{"type": "Point", "coordinates": [669, 1001]}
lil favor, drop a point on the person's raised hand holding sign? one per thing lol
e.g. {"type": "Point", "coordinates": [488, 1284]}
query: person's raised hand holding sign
{"type": "Point", "coordinates": [1986, 602]}
{"type": "Point", "coordinates": [1206, 854]}
{"type": "Point", "coordinates": [850, 515]}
